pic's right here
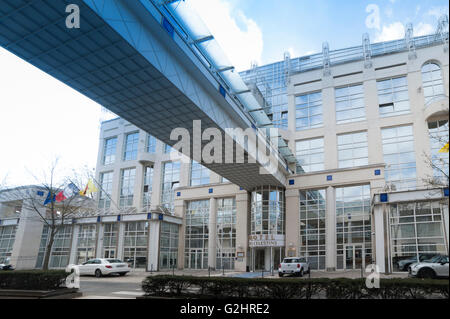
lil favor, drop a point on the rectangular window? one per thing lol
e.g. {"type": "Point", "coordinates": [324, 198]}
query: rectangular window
{"type": "Point", "coordinates": [59, 256]}
{"type": "Point", "coordinates": [110, 234]}
{"type": "Point", "coordinates": [199, 174]}
{"type": "Point", "coordinates": [196, 235]}
{"type": "Point", "coordinates": [127, 187]}
{"type": "Point", "coordinates": [226, 233]}
{"type": "Point", "coordinates": [151, 144]}
{"type": "Point", "coordinates": [310, 155]}
{"type": "Point", "coordinates": [131, 146]}
{"type": "Point", "coordinates": [170, 181]}
{"type": "Point", "coordinates": [393, 97]}
{"type": "Point", "coordinates": [416, 232]}
{"type": "Point", "coordinates": [350, 104]}
{"type": "Point", "coordinates": [439, 136]}
{"type": "Point", "coordinates": [399, 156]}
{"type": "Point", "coordinates": [353, 150]}
{"type": "Point", "coordinates": [109, 151]}
{"type": "Point", "coordinates": [309, 113]}
{"type": "Point", "coordinates": [353, 227]}
{"type": "Point", "coordinates": [312, 227]}
{"type": "Point", "coordinates": [168, 243]}
{"type": "Point", "coordinates": [147, 191]}
{"type": "Point", "coordinates": [135, 244]}
{"type": "Point", "coordinates": [86, 243]}
{"type": "Point", "coordinates": [106, 181]}
{"type": "Point", "coordinates": [7, 237]}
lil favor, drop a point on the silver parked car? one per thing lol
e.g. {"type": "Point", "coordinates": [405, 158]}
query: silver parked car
{"type": "Point", "coordinates": [432, 268]}
{"type": "Point", "coordinates": [102, 266]}
{"type": "Point", "coordinates": [296, 266]}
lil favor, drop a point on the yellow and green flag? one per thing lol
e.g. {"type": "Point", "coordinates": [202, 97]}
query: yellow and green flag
{"type": "Point", "coordinates": [444, 149]}
{"type": "Point", "coordinates": [89, 189]}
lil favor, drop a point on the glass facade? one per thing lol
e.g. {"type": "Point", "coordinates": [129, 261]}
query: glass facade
{"type": "Point", "coordinates": [170, 181]}
{"type": "Point", "coordinates": [196, 235]}
{"type": "Point", "coordinates": [353, 150]}
{"type": "Point", "coordinates": [151, 144]}
{"type": "Point", "coordinates": [400, 157]}
{"type": "Point", "coordinates": [147, 187]}
{"type": "Point", "coordinates": [433, 86]}
{"type": "Point", "coordinates": [353, 227]}
{"type": "Point", "coordinates": [7, 237]}
{"type": "Point", "coordinates": [86, 243]}
{"type": "Point", "coordinates": [199, 174]}
{"type": "Point", "coordinates": [109, 151]}
{"type": "Point", "coordinates": [168, 246]}
{"type": "Point", "coordinates": [131, 146]}
{"type": "Point", "coordinates": [226, 233]}
{"type": "Point", "coordinates": [59, 256]}
{"type": "Point", "coordinates": [439, 136]}
{"type": "Point", "coordinates": [312, 227]}
{"type": "Point", "coordinates": [127, 187]}
{"type": "Point", "coordinates": [416, 232]}
{"type": "Point", "coordinates": [106, 182]}
{"type": "Point", "coordinates": [393, 97]}
{"type": "Point", "coordinates": [135, 244]}
{"type": "Point", "coordinates": [308, 111]}
{"type": "Point", "coordinates": [310, 155]}
{"type": "Point", "coordinates": [110, 235]}
{"type": "Point", "coordinates": [350, 104]}
{"type": "Point", "coordinates": [267, 211]}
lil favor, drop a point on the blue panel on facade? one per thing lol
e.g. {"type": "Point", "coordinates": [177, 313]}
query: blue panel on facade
{"type": "Point", "coordinates": [377, 172]}
{"type": "Point", "coordinates": [161, 217]}
{"type": "Point", "coordinates": [99, 219]}
{"type": "Point", "coordinates": [210, 190]}
{"type": "Point", "coordinates": [241, 188]}
{"type": "Point", "coordinates": [446, 192]}
{"type": "Point", "coordinates": [118, 218]}
{"type": "Point", "coordinates": [40, 193]}
{"type": "Point", "coordinates": [291, 182]}
{"type": "Point", "coordinates": [329, 177]}
{"type": "Point", "coordinates": [222, 91]}
{"type": "Point", "coordinates": [169, 28]}
{"type": "Point", "coordinates": [178, 194]}
{"type": "Point", "coordinates": [384, 198]}
{"type": "Point", "coordinates": [149, 216]}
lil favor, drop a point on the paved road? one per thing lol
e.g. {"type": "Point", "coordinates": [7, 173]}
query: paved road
{"type": "Point", "coordinates": [112, 287]}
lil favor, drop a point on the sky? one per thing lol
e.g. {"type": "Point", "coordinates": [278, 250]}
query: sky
{"type": "Point", "coordinates": [42, 119]}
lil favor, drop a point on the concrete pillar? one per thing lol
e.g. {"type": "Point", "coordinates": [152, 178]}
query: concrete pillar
{"type": "Point", "coordinates": [156, 184]}
{"type": "Point", "coordinates": [120, 240]}
{"type": "Point", "coordinates": [180, 211]}
{"type": "Point", "coordinates": [99, 248]}
{"type": "Point", "coordinates": [292, 220]}
{"type": "Point", "coordinates": [380, 251]}
{"type": "Point", "coordinates": [73, 247]}
{"type": "Point", "coordinates": [330, 226]}
{"type": "Point", "coordinates": [242, 230]}
{"type": "Point", "coordinates": [153, 245]}
{"type": "Point", "coordinates": [446, 221]}
{"type": "Point", "coordinates": [267, 258]}
{"type": "Point", "coordinates": [212, 236]}
{"type": "Point", "coordinates": [138, 187]}
{"type": "Point", "coordinates": [27, 240]}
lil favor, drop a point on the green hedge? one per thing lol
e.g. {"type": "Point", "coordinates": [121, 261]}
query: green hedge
{"type": "Point", "coordinates": [340, 288]}
{"type": "Point", "coordinates": [33, 279]}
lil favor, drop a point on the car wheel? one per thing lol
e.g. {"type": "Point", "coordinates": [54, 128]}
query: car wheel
{"type": "Point", "coordinates": [427, 273]}
{"type": "Point", "coordinates": [122, 273]}
{"type": "Point", "coordinates": [300, 274]}
{"type": "Point", "coordinates": [98, 273]}
{"type": "Point", "coordinates": [280, 274]}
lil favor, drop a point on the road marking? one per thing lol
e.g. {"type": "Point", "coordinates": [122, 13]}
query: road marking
{"type": "Point", "coordinates": [102, 297]}
{"type": "Point", "coordinates": [131, 293]}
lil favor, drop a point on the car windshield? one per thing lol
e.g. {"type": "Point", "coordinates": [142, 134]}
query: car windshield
{"type": "Point", "coordinates": [114, 261]}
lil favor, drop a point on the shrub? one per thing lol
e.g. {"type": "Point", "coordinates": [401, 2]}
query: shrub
{"type": "Point", "coordinates": [33, 279]}
{"type": "Point", "coordinates": [340, 288]}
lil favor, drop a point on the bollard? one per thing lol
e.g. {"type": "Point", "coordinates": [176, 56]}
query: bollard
{"type": "Point", "coordinates": [209, 271]}
{"type": "Point", "coordinates": [223, 270]}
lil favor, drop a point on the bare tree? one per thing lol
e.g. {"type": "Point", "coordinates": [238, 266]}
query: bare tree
{"type": "Point", "coordinates": [46, 200]}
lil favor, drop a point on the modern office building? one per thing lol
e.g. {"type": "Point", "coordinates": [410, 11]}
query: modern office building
{"type": "Point", "coordinates": [370, 186]}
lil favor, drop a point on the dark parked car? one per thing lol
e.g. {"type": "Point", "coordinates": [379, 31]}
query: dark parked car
{"type": "Point", "coordinates": [404, 264]}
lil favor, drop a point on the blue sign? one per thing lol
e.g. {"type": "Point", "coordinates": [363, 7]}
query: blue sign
{"type": "Point", "coordinates": [149, 216]}
{"type": "Point", "coordinates": [210, 190]}
{"type": "Point", "coordinates": [384, 198]}
{"type": "Point", "coordinates": [161, 217]}
{"type": "Point", "coordinates": [118, 218]}
{"type": "Point", "coordinates": [291, 182]}
{"type": "Point", "coordinates": [178, 194]}
{"type": "Point", "coordinates": [446, 192]}
{"type": "Point", "coordinates": [40, 193]}
{"type": "Point", "coordinates": [377, 172]}
{"type": "Point", "coordinates": [329, 177]}
{"type": "Point", "coordinates": [241, 188]}
{"type": "Point", "coordinates": [99, 219]}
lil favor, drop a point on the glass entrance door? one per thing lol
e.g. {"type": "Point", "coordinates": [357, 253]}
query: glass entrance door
{"type": "Point", "coordinates": [259, 259]}
{"type": "Point", "coordinates": [354, 257]}
{"type": "Point", "coordinates": [196, 259]}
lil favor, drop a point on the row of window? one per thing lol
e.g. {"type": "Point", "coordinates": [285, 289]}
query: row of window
{"type": "Point", "coordinates": [393, 99]}
{"type": "Point", "coordinates": [398, 152]}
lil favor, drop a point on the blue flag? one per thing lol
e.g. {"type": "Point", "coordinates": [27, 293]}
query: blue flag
{"type": "Point", "coordinates": [48, 200]}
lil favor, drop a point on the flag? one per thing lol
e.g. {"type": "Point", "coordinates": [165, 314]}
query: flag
{"type": "Point", "coordinates": [89, 189]}
{"type": "Point", "coordinates": [60, 196]}
{"type": "Point", "coordinates": [444, 149]}
{"type": "Point", "coordinates": [68, 192]}
{"type": "Point", "coordinates": [48, 200]}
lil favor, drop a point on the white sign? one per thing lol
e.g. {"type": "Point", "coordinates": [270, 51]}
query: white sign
{"type": "Point", "coordinates": [266, 240]}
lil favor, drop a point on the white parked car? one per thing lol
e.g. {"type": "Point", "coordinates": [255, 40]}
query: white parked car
{"type": "Point", "coordinates": [102, 266]}
{"type": "Point", "coordinates": [433, 268]}
{"type": "Point", "coordinates": [297, 266]}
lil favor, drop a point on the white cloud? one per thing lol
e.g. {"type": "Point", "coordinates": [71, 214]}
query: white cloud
{"type": "Point", "coordinates": [390, 32]}
{"type": "Point", "coordinates": [423, 29]}
{"type": "Point", "coordinates": [240, 37]}
{"type": "Point", "coordinates": [437, 12]}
